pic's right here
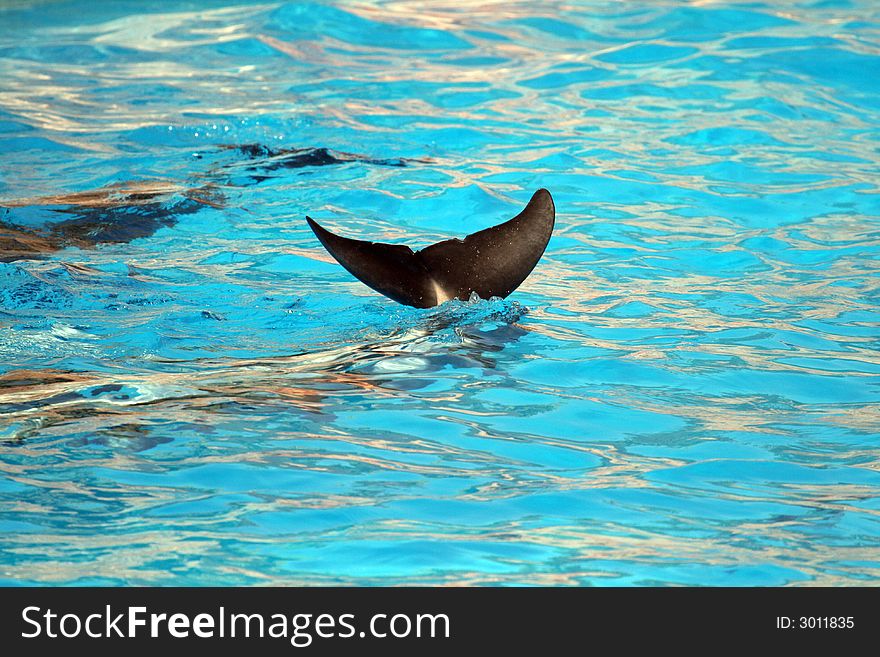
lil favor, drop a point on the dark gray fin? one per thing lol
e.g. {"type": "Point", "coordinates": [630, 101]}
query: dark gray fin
{"type": "Point", "coordinates": [492, 262]}
{"type": "Point", "coordinates": [262, 160]}
{"type": "Point", "coordinates": [495, 261]}
{"type": "Point", "coordinates": [391, 269]}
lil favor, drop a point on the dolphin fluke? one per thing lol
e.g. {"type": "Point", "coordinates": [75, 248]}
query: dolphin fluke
{"type": "Point", "coordinates": [492, 262]}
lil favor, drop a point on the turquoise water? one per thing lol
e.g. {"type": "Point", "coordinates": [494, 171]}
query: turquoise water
{"type": "Point", "coordinates": [685, 391]}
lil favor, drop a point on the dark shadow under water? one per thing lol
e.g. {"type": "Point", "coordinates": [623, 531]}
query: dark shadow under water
{"type": "Point", "coordinates": [127, 211]}
{"type": "Point", "coordinates": [308, 384]}
{"type": "Point", "coordinates": [114, 407]}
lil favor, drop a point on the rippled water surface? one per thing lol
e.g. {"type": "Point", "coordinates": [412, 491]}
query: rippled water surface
{"type": "Point", "coordinates": [685, 391]}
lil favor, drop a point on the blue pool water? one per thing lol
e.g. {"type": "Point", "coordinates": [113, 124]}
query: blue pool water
{"type": "Point", "coordinates": [685, 391]}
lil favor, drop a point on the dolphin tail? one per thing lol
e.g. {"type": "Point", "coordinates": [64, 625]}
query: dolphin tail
{"type": "Point", "coordinates": [492, 262]}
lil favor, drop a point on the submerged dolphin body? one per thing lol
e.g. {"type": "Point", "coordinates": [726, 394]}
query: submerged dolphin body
{"type": "Point", "coordinates": [122, 212]}
{"type": "Point", "coordinates": [492, 262]}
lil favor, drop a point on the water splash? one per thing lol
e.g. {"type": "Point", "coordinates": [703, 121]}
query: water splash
{"type": "Point", "coordinates": [682, 393]}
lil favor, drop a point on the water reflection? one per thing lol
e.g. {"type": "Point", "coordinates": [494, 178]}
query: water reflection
{"type": "Point", "coordinates": [123, 212]}
{"type": "Point", "coordinates": [190, 393]}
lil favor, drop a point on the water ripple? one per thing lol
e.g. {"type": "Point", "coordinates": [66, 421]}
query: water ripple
{"type": "Point", "coordinates": [684, 391]}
